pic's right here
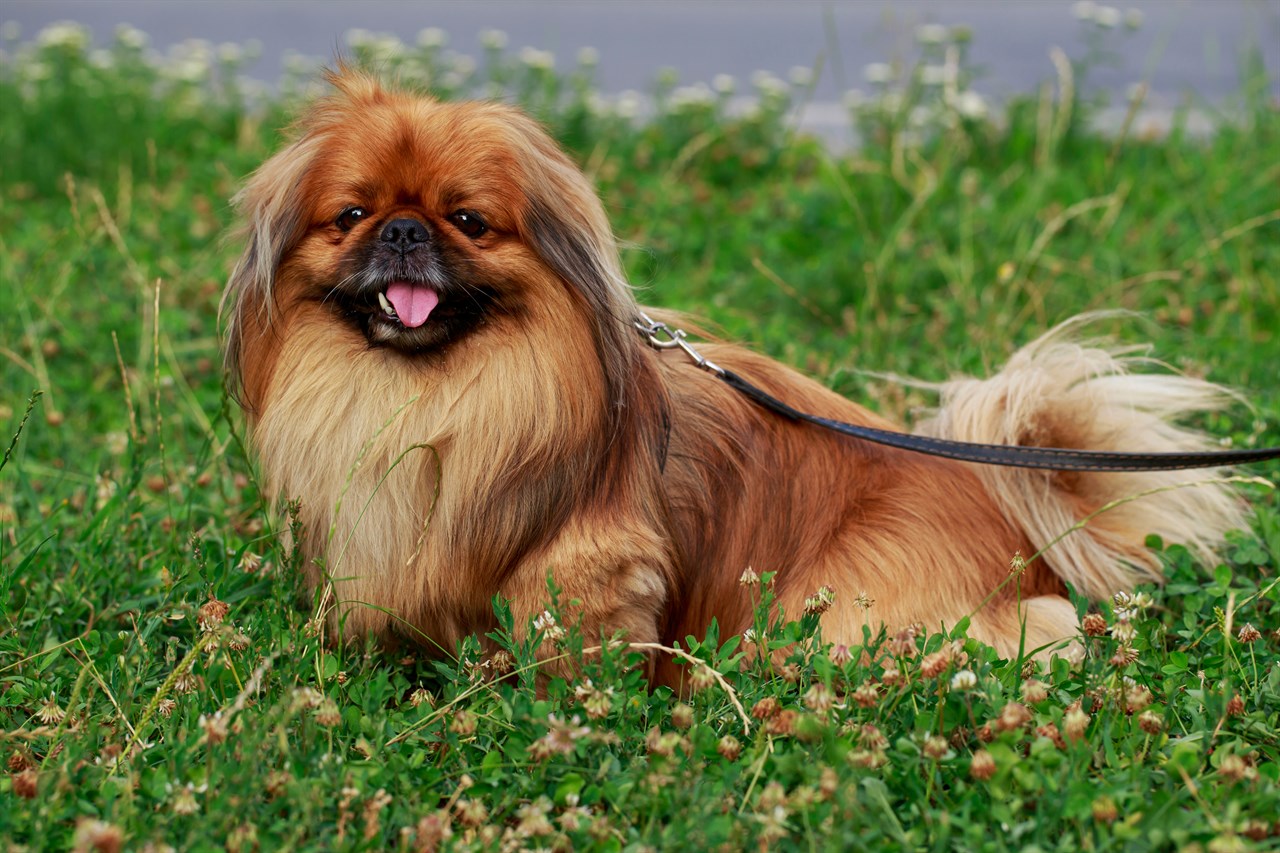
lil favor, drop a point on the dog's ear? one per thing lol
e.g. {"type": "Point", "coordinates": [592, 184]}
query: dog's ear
{"type": "Point", "coordinates": [565, 223]}
{"type": "Point", "coordinates": [272, 210]}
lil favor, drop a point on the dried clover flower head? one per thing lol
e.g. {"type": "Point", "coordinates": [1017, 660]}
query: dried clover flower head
{"type": "Point", "coordinates": [983, 765]}
{"type": "Point", "coordinates": [866, 695]}
{"type": "Point", "coordinates": [729, 747]}
{"type": "Point", "coordinates": [819, 698]}
{"type": "Point", "coordinates": [1151, 722]}
{"type": "Point", "coordinates": [1075, 723]}
{"type": "Point", "coordinates": [936, 747]}
{"type": "Point", "coordinates": [1094, 624]}
{"type": "Point", "coordinates": [328, 714]}
{"type": "Point", "coordinates": [471, 812]}
{"type": "Point", "coordinates": [51, 713]}
{"type": "Point", "coordinates": [463, 723]}
{"type": "Point", "coordinates": [820, 602]}
{"type": "Point", "coordinates": [1013, 716]}
{"type": "Point", "coordinates": [214, 726]}
{"type": "Point", "coordinates": [97, 835]}
{"type": "Point", "coordinates": [701, 678]}
{"type": "Point", "coordinates": [782, 724]}
{"type": "Point", "coordinates": [766, 708]}
{"type": "Point", "coordinates": [211, 613]}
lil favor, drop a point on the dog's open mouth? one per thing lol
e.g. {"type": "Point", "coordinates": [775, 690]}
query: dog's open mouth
{"type": "Point", "coordinates": [414, 317]}
{"type": "Point", "coordinates": [407, 303]}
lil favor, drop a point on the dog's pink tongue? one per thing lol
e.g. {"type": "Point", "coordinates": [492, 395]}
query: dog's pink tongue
{"type": "Point", "coordinates": [413, 302]}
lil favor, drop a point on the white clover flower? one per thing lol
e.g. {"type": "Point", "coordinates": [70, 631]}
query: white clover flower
{"type": "Point", "coordinates": [932, 34]}
{"type": "Point", "coordinates": [768, 83]}
{"type": "Point", "coordinates": [295, 62]}
{"type": "Point", "coordinates": [191, 69]}
{"type": "Point", "coordinates": [67, 34]}
{"type": "Point", "coordinates": [463, 66]}
{"type": "Point", "coordinates": [1123, 605]}
{"type": "Point", "coordinates": [588, 57]}
{"type": "Point", "coordinates": [919, 116]}
{"type": "Point", "coordinates": [230, 53]}
{"type": "Point", "coordinates": [723, 83]}
{"type": "Point", "coordinates": [628, 104]}
{"type": "Point", "coordinates": [695, 96]}
{"type": "Point", "coordinates": [542, 60]}
{"type": "Point", "coordinates": [386, 46]}
{"type": "Point", "coordinates": [878, 72]}
{"type": "Point", "coordinates": [131, 37]}
{"type": "Point", "coordinates": [359, 37]}
{"type": "Point", "coordinates": [964, 680]}
{"type": "Point", "coordinates": [800, 75]}
{"type": "Point", "coordinates": [493, 39]}
{"type": "Point", "coordinates": [749, 635]}
{"type": "Point", "coordinates": [1084, 10]}
{"type": "Point", "coordinates": [1123, 631]}
{"type": "Point", "coordinates": [1107, 17]}
{"type": "Point", "coordinates": [937, 75]}
{"type": "Point", "coordinates": [970, 104]}
{"type": "Point", "coordinates": [891, 102]}
{"type": "Point", "coordinates": [432, 37]}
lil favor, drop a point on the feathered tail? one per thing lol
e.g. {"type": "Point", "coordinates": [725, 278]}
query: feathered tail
{"type": "Point", "coordinates": [1059, 391]}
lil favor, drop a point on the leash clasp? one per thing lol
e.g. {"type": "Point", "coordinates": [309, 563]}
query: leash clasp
{"type": "Point", "coordinates": [674, 339]}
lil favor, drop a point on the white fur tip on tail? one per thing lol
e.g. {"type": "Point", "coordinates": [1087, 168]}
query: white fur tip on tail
{"type": "Point", "coordinates": [1060, 391]}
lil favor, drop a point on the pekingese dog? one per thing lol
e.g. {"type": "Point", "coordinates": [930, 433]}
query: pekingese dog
{"type": "Point", "coordinates": [433, 341]}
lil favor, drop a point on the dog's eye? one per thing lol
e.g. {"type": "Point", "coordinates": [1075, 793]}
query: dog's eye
{"type": "Point", "coordinates": [349, 217]}
{"type": "Point", "coordinates": [468, 222]}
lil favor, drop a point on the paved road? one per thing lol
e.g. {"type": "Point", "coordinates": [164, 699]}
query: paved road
{"type": "Point", "coordinates": [1181, 48]}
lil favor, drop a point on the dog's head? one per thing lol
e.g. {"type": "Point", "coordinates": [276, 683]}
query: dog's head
{"type": "Point", "coordinates": [415, 223]}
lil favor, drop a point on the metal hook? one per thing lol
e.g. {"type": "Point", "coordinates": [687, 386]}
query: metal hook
{"type": "Point", "coordinates": [678, 338]}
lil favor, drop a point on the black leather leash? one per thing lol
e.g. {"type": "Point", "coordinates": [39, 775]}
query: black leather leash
{"type": "Point", "coordinates": [1052, 458]}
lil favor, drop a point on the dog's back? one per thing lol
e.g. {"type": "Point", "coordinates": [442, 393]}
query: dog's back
{"type": "Point", "coordinates": [921, 539]}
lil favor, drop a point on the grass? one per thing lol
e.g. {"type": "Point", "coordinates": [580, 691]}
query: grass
{"type": "Point", "coordinates": [161, 687]}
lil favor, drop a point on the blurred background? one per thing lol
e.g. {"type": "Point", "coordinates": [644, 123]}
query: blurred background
{"type": "Point", "coordinates": [1188, 52]}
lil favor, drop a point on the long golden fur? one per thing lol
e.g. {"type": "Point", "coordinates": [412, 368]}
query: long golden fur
{"type": "Point", "coordinates": [526, 428]}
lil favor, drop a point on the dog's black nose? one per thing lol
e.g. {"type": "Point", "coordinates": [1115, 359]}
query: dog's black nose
{"type": "Point", "coordinates": [404, 235]}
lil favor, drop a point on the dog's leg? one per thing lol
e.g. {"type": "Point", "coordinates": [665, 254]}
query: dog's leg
{"type": "Point", "coordinates": [1043, 627]}
{"type": "Point", "coordinates": [612, 584]}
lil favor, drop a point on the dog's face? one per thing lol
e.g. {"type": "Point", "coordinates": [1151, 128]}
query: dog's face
{"type": "Point", "coordinates": [412, 229]}
{"type": "Point", "coordinates": [415, 223]}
